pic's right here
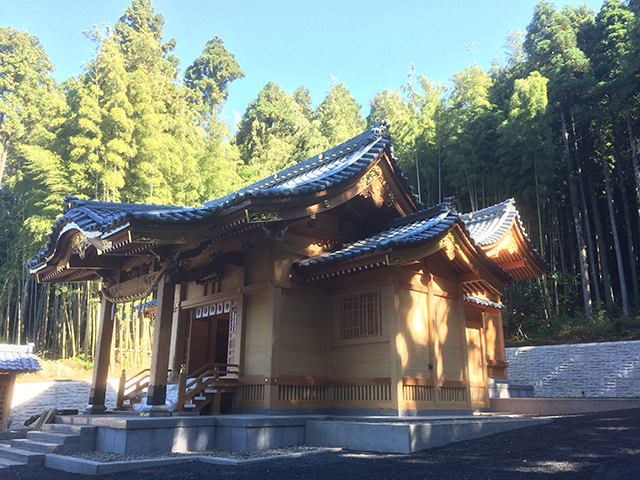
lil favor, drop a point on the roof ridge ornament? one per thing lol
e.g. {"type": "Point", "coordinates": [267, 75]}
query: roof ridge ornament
{"type": "Point", "coordinates": [380, 128]}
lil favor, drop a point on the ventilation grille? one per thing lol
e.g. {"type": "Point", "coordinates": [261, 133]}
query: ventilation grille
{"type": "Point", "coordinates": [252, 392]}
{"type": "Point", "coordinates": [355, 393]}
{"type": "Point", "coordinates": [417, 393]}
{"type": "Point", "coordinates": [453, 394]}
{"type": "Point", "coordinates": [478, 395]}
{"type": "Point", "coordinates": [302, 392]}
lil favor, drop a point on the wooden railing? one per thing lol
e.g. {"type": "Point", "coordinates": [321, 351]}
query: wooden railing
{"type": "Point", "coordinates": [206, 385]}
{"type": "Point", "coordinates": [129, 388]}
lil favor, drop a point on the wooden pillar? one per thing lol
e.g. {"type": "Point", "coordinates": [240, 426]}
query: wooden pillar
{"type": "Point", "coordinates": [395, 360]}
{"type": "Point", "coordinates": [463, 342]}
{"type": "Point", "coordinates": [7, 382]}
{"type": "Point", "coordinates": [101, 359]}
{"type": "Point", "coordinates": [157, 393]}
{"type": "Point", "coordinates": [178, 331]}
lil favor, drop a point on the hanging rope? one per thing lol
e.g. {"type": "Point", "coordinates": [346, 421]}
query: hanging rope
{"type": "Point", "coordinates": [131, 298]}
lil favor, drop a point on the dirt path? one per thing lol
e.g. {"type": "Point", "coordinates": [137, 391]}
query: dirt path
{"type": "Point", "coordinates": [601, 446]}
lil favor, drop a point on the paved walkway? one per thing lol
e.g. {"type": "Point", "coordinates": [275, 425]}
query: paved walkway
{"type": "Point", "coordinates": [600, 446]}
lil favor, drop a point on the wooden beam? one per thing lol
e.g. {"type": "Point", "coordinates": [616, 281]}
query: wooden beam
{"type": "Point", "coordinates": [186, 276]}
{"type": "Point", "coordinates": [469, 277]}
{"type": "Point", "coordinates": [132, 287]}
{"type": "Point", "coordinates": [511, 265]}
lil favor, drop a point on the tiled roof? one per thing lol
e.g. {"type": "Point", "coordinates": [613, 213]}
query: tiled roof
{"type": "Point", "coordinates": [16, 359]}
{"type": "Point", "coordinates": [319, 172]}
{"type": "Point", "coordinates": [404, 231]}
{"type": "Point", "coordinates": [489, 225]}
{"type": "Point", "coordinates": [481, 302]}
{"type": "Point", "coordinates": [322, 171]}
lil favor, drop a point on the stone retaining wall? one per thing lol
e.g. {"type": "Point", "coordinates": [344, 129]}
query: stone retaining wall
{"type": "Point", "coordinates": [34, 398]}
{"type": "Point", "coordinates": [599, 370]}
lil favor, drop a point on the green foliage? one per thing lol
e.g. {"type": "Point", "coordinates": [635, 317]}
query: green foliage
{"type": "Point", "coordinates": [127, 129]}
{"type": "Point", "coordinates": [275, 133]}
{"type": "Point", "coordinates": [339, 115]}
{"type": "Point", "coordinates": [210, 75]}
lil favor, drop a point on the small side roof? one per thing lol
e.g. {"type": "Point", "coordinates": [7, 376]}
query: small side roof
{"type": "Point", "coordinates": [401, 232]}
{"type": "Point", "coordinates": [499, 231]}
{"type": "Point", "coordinates": [409, 239]}
{"type": "Point", "coordinates": [18, 359]}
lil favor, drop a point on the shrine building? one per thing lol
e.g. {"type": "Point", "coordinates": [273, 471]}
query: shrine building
{"type": "Point", "coordinates": [325, 287]}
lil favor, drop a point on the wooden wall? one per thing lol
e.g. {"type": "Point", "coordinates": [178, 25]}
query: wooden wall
{"type": "Point", "coordinates": [476, 354]}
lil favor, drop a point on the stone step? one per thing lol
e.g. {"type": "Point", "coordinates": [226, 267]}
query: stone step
{"type": "Point", "coordinates": [55, 438]}
{"type": "Point", "coordinates": [211, 390]}
{"type": "Point", "coordinates": [37, 447]}
{"type": "Point", "coordinates": [23, 456]}
{"type": "Point", "coordinates": [199, 398]}
{"type": "Point", "coordinates": [72, 420]}
{"type": "Point", "coordinates": [5, 463]}
{"type": "Point", "coordinates": [63, 428]}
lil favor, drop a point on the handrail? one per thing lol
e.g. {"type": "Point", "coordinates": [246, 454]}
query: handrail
{"type": "Point", "coordinates": [210, 366]}
{"type": "Point", "coordinates": [190, 387]}
{"type": "Point", "coordinates": [127, 387]}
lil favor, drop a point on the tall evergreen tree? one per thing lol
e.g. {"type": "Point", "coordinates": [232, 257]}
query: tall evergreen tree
{"type": "Point", "coordinates": [339, 114]}
{"type": "Point", "coordinates": [274, 133]}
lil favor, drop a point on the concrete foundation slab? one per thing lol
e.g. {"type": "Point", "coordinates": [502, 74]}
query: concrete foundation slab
{"type": "Point", "coordinates": [407, 437]}
{"type": "Point", "coordinates": [561, 406]}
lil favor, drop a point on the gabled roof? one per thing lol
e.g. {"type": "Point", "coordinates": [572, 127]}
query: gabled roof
{"type": "Point", "coordinates": [339, 165]}
{"type": "Point", "coordinates": [499, 231]}
{"type": "Point", "coordinates": [482, 303]}
{"type": "Point", "coordinates": [17, 359]}
{"type": "Point", "coordinates": [489, 225]}
{"type": "Point", "coordinates": [401, 232]}
{"type": "Point", "coordinates": [409, 239]}
{"type": "Point", "coordinates": [315, 174]}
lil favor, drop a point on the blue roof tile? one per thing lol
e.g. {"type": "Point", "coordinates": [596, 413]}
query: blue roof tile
{"type": "Point", "coordinates": [320, 172]}
{"type": "Point", "coordinates": [404, 231]}
{"type": "Point", "coordinates": [16, 359]}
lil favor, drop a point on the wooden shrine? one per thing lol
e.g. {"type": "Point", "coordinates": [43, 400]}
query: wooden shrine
{"type": "Point", "coordinates": [324, 287]}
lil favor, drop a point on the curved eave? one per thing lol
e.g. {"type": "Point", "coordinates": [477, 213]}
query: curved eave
{"type": "Point", "coordinates": [381, 176]}
{"type": "Point", "coordinates": [515, 253]}
{"type": "Point", "coordinates": [489, 272]}
{"type": "Point", "coordinates": [468, 262]}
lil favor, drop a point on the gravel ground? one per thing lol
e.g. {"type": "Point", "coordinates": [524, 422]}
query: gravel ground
{"type": "Point", "coordinates": [600, 446]}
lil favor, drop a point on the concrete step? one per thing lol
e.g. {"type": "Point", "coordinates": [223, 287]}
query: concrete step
{"type": "Point", "coordinates": [37, 447]}
{"type": "Point", "coordinates": [5, 463]}
{"type": "Point", "coordinates": [25, 457]}
{"type": "Point", "coordinates": [72, 420]}
{"type": "Point", "coordinates": [55, 438]}
{"type": "Point", "coordinates": [84, 431]}
{"type": "Point", "coordinates": [63, 428]}
{"type": "Point", "coordinates": [11, 465]}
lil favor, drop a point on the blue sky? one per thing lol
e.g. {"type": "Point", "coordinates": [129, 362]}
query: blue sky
{"type": "Point", "coordinates": [367, 45]}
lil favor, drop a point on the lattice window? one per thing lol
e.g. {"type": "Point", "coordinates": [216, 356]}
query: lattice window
{"type": "Point", "coordinates": [361, 315]}
{"type": "Point", "coordinates": [4, 399]}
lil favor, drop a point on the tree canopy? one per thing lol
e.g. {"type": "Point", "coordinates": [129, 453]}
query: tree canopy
{"type": "Point", "coordinates": [554, 125]}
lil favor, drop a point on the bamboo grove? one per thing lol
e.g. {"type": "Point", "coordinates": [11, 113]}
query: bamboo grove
{"type": "Point", "coordinates": [553, 124]}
